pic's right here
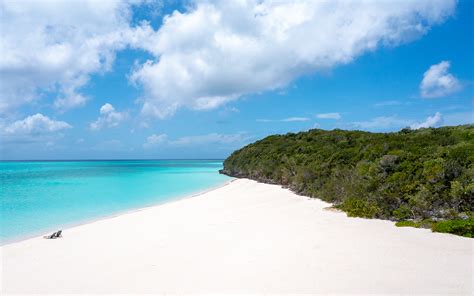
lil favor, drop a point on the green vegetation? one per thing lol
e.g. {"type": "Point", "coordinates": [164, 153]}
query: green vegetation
{"type": "Point", "coordinates": [407, 224]}
{"type": "Point", "coordinates": [408, 175]}
{"type": "Point", "coordinates": [464, 227]}
{"type": "Point", "coordinates": [459, 227]}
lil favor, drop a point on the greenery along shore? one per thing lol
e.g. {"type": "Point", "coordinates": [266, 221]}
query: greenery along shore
{"type": "Point", "coordinates": [421, 178]}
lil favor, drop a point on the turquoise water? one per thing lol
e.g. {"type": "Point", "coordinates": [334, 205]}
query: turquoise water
{"type": "Point", "coordinates": [37, 197]}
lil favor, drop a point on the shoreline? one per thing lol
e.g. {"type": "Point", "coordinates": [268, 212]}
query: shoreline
{"type": "Point", "coordinates": [67, 226]}
{"type": "Point", "coordinates": [242, 237]}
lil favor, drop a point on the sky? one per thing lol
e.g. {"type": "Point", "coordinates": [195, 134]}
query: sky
{"type": "Point", "coordinates": [199, 79]}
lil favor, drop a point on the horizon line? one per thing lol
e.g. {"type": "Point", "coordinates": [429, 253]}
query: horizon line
{"type": "Point", "coordinates": [104, 159]}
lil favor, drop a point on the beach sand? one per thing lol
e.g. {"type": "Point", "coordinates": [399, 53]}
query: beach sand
{"type": "Point", "coordinates": [244, 237]}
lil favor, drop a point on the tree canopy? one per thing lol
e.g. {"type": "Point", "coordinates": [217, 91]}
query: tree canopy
{"type": "Point", "coordinates": [424, 174]}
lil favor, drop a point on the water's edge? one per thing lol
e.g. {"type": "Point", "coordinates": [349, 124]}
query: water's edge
{"type": "Point", "coordinates": [111, 216]}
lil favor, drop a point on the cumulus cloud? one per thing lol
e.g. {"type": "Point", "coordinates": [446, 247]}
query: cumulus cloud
{"type": "Point", "coordinates": [70, 100]}
{"type": "Point", "coordinates": [35, 125]}
{"type": "Point", "coordinates": [37, 129]}
{"type": "Point", "coordinates": [431, 121]}
{"type": "Point", "coordinates": [438, 82]}
{"type": "Point", "coordinates": [54, 46]}
{"type": "Point", "coordinates": [154, 140]}
{"type": "Point", "coordinates": [289, 119]}
{"type": "Point", "coordinates": [213, 53]}
{"type": "Point", "coordinates": [329, 116]}
{"type": "Point", "coordinates": [108, 117]}
{"type": "Point", "coordinates": [218, 51]}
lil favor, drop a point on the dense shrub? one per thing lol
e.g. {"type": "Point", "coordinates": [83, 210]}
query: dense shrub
{"type": "Point", "coordinates": [459, 227]}
{"type": "Point", "coordinates": [411, 174]}
{"type": "Point", "coordinates": [357, 207]}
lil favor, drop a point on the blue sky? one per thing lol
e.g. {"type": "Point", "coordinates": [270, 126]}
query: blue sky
{"type": "Point", "coordinates": [200, 79]}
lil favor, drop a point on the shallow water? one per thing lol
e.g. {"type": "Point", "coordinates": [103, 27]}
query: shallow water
{"type": "Point", "coordinates": [36, 197]}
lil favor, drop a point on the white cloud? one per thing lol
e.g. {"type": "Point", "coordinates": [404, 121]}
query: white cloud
{"type": "Point", "coordinates": [107, 108]}
{"type": "Point", "coordinates": [211, 138]}
{"type": "Point", "coordinates": [35, 125]}
{"type": "Point", "coordinates": [382, 123]}
{"type": "Point", "coordinates": [388, 103]}
{"type": "Point", "coordinates": [228, 111]}
{"type": "Point", "coordinates": [329, 116]}
{"type": "Point", "coordinates": [438, 82]}
{"type": "Point", "coordinates": [296, 119]}
{"type": "Point", "coordinates": [54, 46]}
{"type": "Point", "coordinates": [232, 110]}
{"type": "Point", "coordinates": [218, 51]}
{"type": "Point", "coordinates": [108, 117]}
{"type": "Point", "coordinates": [431, 121]}
{"type": "Point", "coordinates": [197, 140]}
{"type": "Point", "coordinates": [211, 54]}
{"type": "Point", "coordinates": [69, 101]}
{"type": "Point", "coordinates": [154, 140]}
{"type": "Point", "coordinates": [289, 119]}
{"type": "Point", "coordinates": [394, 122]}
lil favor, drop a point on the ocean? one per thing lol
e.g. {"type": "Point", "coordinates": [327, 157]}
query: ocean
{"type": "Point", "coordinates": [43, 196]}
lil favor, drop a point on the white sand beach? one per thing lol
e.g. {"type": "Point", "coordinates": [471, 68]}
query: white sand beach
{"type": "Point", "coordinates": [244, 237]}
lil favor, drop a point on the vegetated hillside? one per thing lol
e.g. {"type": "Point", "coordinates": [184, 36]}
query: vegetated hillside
{"type": "Point", "coordinates": [422, 175]}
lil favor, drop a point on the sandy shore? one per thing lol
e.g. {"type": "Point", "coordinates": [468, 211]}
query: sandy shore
{"type": "Point", "coordinates": [244, 237]}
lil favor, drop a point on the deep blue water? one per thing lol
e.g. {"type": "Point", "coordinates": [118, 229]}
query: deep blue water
{"type": "Point", "coordinates": [37, 197]}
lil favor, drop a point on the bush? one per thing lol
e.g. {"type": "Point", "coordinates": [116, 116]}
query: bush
{"type": "Point", "coordinates": [403, 212]}
{"type": "Point", "coordinates": [458, 227]}
{"type": "Point", "coordinates": [356, 207]}
{"type": "Point", "coordinates": [407, 224]}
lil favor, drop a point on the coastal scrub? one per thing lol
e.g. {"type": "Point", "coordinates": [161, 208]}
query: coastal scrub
{"type": "Point", "coordinates": [416, 175]}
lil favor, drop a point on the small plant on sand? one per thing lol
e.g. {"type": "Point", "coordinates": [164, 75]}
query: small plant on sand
{"type": "Point", "coordinates": [407, 224]}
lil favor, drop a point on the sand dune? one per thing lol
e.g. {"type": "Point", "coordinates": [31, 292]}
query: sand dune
{"type": "Point", "coordinates": [244, 237]}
